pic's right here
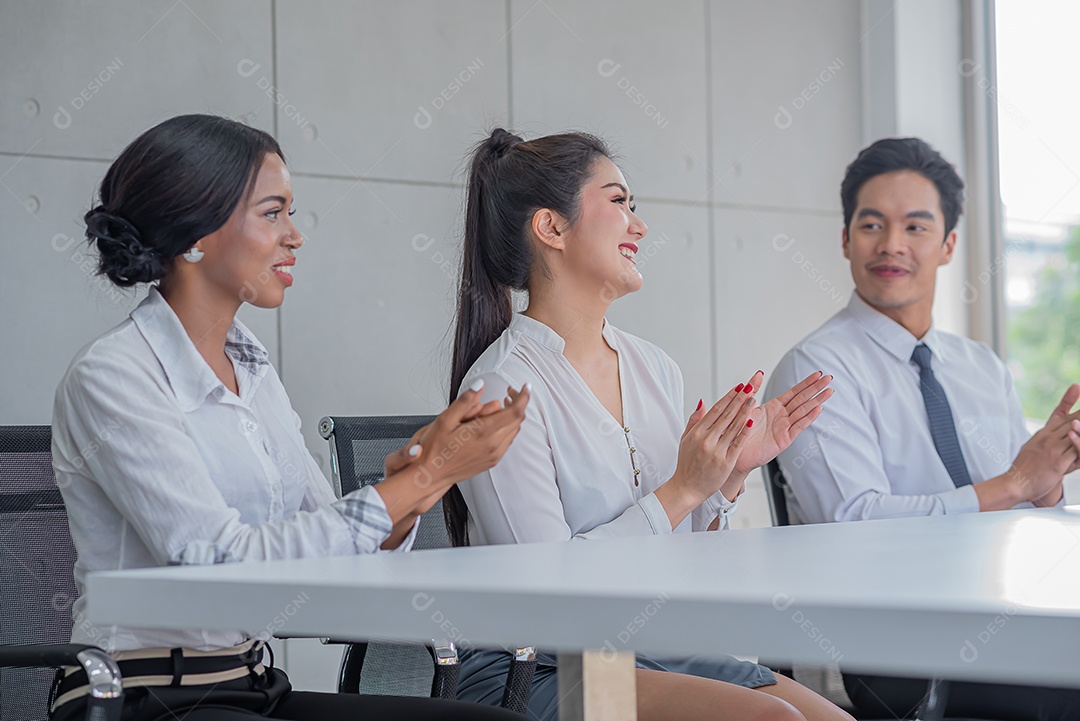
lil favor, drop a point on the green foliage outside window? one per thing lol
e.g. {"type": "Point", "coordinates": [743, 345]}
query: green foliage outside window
{"type": "Point", "coordinates": [1044, 338]}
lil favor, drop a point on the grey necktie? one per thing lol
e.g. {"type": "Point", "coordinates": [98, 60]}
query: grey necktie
{"type": "Point", "coordinates": [942, 426]}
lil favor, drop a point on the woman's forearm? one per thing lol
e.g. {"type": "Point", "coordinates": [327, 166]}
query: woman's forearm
{"type": "Point", "coordinates": [677, 499]}
{"type": "Point", "coordinates": [734, 485]}
{"type": "Point", "coordinates": [408, 493]}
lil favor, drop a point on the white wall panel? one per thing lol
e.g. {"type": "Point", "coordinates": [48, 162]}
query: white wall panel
{"type": "Point", "coordinates": [82, 79]}
{"type": "Point", "coordinates": [633, 72]}
{"type": "Point", "coordinates": [930, 105]}
{"type": "Point", "coordinates": [753, 511]}
{"type": "Point", "coordinates": [780, 276]}
{"type": "Point", "coordinates": [56, 303]}
{"type": "Point", "coordinates": [390, 89]}
{"type": "Point", "coordinates": [366, 327]}
{"type": "Point", "coordinates": [786, 101]}
{"type": "Point", "coordinates": [311, 665]}
{"type": "Point", "coordinates": [672, 309]}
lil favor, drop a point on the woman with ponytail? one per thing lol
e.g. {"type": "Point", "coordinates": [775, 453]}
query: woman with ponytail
{"type": "Point", "coordinates": [174, 441]}
{"type": "Point", "coordinates": [604, 450]}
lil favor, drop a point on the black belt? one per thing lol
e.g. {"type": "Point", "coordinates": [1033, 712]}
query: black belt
{"type": "Point", "coordinates": [177, 665]}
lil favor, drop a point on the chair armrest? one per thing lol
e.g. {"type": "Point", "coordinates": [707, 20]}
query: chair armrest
{"type": "Point", "coordinates": [352, 665]}
{"type": "Point", "coordinates": [53, 656]}
{"type": "Point", "coordinates": [933, 704]}
{"type": "Point", "coordinates": [444, 683]}
{"type": "Point", "coordinates": [106, 698]}
{"type": "Point", "coordinates": [519, 680]}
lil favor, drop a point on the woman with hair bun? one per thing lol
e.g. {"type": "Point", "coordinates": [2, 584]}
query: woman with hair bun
{"type": "Point", "coordinates": [174, 441]}
{"type": "Point", "coordinates": [604, 451]}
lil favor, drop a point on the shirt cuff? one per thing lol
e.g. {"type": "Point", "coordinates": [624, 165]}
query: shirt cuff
{"type": "Point", "coordinates": [962, 500]}
{"type": "Point", "coordinates": [718, 505]}
{"type": "Point", "coordinates": [367, 518]}
{"type": "Point", "coordinates": [656, 515]}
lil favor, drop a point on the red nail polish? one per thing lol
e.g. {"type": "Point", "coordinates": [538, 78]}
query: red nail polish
{"type": "Point", "coordinates": [748, 388]}
{"type": "Point", "coordinates": [750, 423]}
{"type": "Point", "coordinates": [700, 403]}
{"type": "Point", "coordinates": [760, 371]}
{"type": "Point", "coordinates": [738, 388]}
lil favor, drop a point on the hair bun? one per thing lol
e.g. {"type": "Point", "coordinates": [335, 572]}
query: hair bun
{"type": "Point", "coordinates": [123, 257]}
{"type": "Point", "coordinates": [501, 141]}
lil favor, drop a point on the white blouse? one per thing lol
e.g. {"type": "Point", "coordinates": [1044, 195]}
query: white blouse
{"type": "Point", "coordinates": [573, 471]}
{"type": "Point", "coordinates": [160, 464]}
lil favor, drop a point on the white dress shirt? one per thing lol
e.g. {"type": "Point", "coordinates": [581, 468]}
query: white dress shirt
{"type": "Point", "coordinates": [160, 464]}
{"type": "Point", "coordinates": [870, 453]}
{"type": "Point", "coordinates": [570, 472]}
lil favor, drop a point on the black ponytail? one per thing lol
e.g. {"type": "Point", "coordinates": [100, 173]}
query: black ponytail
{"type": "Point", "coordinates": [509, 180]}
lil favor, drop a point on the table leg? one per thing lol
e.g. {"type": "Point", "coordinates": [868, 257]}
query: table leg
{"type": "Point", "coordinates": [597, 686]}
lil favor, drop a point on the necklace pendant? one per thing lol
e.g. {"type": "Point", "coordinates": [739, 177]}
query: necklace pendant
{"type": "Point", "coordinates": [633, 459]}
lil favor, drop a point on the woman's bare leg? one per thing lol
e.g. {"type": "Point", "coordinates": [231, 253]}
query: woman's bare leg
{"type": "Point", "coordinates": [813, 706]}
{"type": "Point", "coordinates": [665, 696]}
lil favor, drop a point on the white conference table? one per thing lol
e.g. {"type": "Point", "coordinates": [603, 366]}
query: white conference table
{"type": "Point", "coordinates": [989, 596]}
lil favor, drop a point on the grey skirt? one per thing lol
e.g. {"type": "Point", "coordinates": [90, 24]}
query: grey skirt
{"type": "Point", "coordinates": [483, 675]}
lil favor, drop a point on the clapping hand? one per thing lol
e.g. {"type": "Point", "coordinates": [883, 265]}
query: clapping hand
{"type": "Point", "coordinates": [414, 449]}
{"type": "Point", "coordinates": [778, 422]}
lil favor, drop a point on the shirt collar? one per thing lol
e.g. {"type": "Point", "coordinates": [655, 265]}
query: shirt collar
{"type": "Point", "coordinates": [190, 377]}
{"type": "Point", "coordinates": [890, 335]}
{"type": "Point", "coordinates": [534, 329]}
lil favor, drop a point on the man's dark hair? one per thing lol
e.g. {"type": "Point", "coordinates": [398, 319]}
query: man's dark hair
{"type": "Point", "coordinates": [895, 154]}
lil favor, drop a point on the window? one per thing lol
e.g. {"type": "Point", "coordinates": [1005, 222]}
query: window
{"type": "Point", "coordinates": [1039, 147]}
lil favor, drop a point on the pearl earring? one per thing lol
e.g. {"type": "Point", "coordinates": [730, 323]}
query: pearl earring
{"type": "Point", "coordinates": [194, 255]}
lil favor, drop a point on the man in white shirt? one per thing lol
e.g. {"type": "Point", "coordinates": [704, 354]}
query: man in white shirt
{"type": "Point", "coordinates": [923, 422]}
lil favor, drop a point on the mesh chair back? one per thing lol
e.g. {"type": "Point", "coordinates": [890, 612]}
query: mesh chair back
{"type": "Point", "coordinates": [37, 560]}
{"type": "Point", "coordinates": [776, 484]}
{"type": "Point", "coordinates": [358, 447]}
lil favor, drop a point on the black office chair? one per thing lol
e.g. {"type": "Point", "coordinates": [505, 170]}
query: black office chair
{"type": "Point", "coordinates": [37, 587]}
{"type": "Point", "coordinates": [358, 449]}
{"type": "Point", "coordinates": [932, 707]}
{"type": "Point", "coordinates": [776, 485]}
